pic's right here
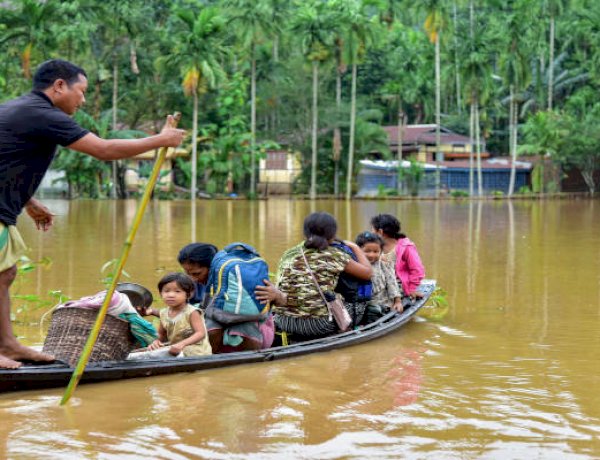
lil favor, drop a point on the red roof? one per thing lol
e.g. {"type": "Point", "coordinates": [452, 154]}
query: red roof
{"type": "Point", "coordinates": [424, 134]}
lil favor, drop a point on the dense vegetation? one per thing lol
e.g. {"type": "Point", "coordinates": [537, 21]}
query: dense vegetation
{"type": "Point", "coordinates": [320, 76]}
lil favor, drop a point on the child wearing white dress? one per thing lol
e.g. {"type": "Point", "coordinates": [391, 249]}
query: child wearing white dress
{"type": "Point", "coordinates": [181, 325]}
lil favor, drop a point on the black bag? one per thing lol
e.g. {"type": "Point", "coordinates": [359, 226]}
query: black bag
{"type": "Point", "coordinates": [373, 313]}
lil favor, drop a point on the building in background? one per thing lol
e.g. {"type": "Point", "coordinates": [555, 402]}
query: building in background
{"type": "Point", "coordinates": [278, 171]}
{"type": "Point", "coordinates": [419, 141]}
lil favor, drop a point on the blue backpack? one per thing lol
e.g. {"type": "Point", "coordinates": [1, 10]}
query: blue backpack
{"type": "Point", "coordinates": [234, 273]}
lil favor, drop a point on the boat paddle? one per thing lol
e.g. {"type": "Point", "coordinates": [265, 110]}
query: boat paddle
{"type": "Point", "coordinates": [91, 341]}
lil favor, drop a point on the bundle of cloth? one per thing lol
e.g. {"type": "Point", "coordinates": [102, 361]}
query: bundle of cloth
{"type": "Point", "coordinates": [120, 307]}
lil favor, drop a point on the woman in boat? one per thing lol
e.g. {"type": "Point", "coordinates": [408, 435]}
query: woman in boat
{"type": "Point", "coordinates": [298, 306]}
{"type": "Point", "coordinates": [196, 259]}
{"type": "Point", "coordinates": [400, 253]}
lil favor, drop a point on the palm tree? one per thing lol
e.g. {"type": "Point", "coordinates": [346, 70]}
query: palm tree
{"type": "Point", "coordinates": [554, 8]}
{"type": "Point", "coordinates": [253, 21]}
{"type": "Point", "coordinates": [516, 73]}
{"type": "Point", "coordinates": [564, 83]}
{"type": "Point", "coordinates": [358, 34]}
{"type": "Point", "coordinates": [198, 53]}
{"type": "Point", "coordinates": [340, 10]}
{"type": "Point", "coordinates": [409, 65]}
{"type": "Point", "coordinates": [313, 25]}
{"type": "Point", "coordinates": [118, 22]}
{"type": "Point", "coordinates": [29, 26]}
{"type": "Point", "coordinates": [434, 24]}
{"type": "Point", "coordinates": [477, 74]}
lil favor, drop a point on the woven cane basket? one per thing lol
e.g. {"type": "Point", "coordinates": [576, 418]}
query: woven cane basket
{"type": "Point", "coordinates": [70, 328]}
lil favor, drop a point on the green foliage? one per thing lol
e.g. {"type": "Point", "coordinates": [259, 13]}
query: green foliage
{"type": "Point", "coordinates": [108, 272]}
{"type": "Point", "coordinates": [537, 179]}
{"type": "Point", "coordinates": [459, 193]}
{"type": "Point", "coordinates": [23, 303]}
{"type": "Point", "coordinates": [524, 190]}
{"type": "Point", "coordinates": [383, 191]}
{"type": "Point", "coordinates": [436, 307]}
{"type": "Point", "coordinates": [155, 45]}
{"type": "Point", "coordinates": [571, 137]}
{"type": "Point", "coordinates": [412, 176]}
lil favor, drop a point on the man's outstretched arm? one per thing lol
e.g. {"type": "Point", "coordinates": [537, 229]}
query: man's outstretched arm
{"type": "Point", "coordinates": [115, 149]}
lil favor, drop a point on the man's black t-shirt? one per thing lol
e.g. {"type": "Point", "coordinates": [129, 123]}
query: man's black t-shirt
{"type": "Point", "coordinates": [30, 129]}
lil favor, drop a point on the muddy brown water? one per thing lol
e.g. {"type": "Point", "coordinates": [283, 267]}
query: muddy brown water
{"type": "Point", "coordinates": [512, 370]}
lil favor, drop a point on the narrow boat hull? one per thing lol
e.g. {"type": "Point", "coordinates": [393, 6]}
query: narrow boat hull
{"type": "Point", "coordinates": [31, 377]}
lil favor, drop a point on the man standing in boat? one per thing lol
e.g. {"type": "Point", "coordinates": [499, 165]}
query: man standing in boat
{"type": "Point", "coordinates": [31, 128]}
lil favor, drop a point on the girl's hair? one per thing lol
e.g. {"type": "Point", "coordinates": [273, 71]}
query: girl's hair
{"type": "Point", "coordinates": [200, 254]}
{"type": "Point", "coordinates": [388, 224]}
{"type": "Point", "coordinates": [183, 281]}
{"type": "Point", "coordinates": [319, 228]}
{"type": "Point", "coordinates": [368, 237]}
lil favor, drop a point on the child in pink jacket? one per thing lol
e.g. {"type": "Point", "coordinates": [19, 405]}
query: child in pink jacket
{"type": "Point", "coordinates": [401, 253]}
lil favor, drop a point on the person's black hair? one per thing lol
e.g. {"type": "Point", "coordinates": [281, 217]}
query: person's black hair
{"type": "Point", "coordinates": [183, 281]}
{"type": "Point", "coordinates": [200, 254]}
{"type": "Point", "coordinates": [368, 237]}
{"type": "Point", "coordinates": [388, 224]}
{"type": "Point", "coordinates": [319, 229]}
{"type": "Point", "coordinates": [50, 71]}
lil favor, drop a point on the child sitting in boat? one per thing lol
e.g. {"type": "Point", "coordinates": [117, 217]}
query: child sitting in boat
{"type": "Point", "coordinates": [400, 253]}
{"type": "Point", "coordinates": [385, 291]}
{"type": "Point", "coordinates": [181, 324]}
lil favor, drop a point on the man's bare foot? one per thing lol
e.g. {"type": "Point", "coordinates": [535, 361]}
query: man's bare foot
{"type": "Point", "coordinates": [7, 363]}
{"type": "Point", "coordinates": [20, 352]}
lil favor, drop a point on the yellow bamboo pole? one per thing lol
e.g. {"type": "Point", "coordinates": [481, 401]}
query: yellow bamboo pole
{"type": "Point", "coordinates": [91, 341]}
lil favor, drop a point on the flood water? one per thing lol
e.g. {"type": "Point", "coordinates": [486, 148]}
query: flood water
{"type": "Point", "coordinates": [511, 372]}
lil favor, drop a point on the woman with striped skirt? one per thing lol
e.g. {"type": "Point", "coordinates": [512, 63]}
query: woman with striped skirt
{"type": "Point", "coordinates": [297, 303]}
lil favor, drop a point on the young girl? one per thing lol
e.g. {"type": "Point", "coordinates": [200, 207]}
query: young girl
{"type": "Point", "coordinates": [385, 290]}
{"type": "Point", "coordinates": [399, 252]}
{"type": "Point", "coordinates": [180, 323]}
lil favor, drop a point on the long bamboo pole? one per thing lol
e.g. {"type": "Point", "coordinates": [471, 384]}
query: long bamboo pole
{"type": "Point", "coordinates": [91, 341]}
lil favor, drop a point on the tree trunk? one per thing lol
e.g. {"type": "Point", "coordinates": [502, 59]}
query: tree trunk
{"type": "Point", "coordinates": [194, 178]}
{"type": "Point", "coordinates": [551, 64]}
{"type": "Point", "coordinates": [471, 21]}
{"type": "Point", "coordinates": [253, 125]}
{"type": "Point", "coordinates": [400, 137]}
{"type": "Point", "coordinates": [472, 145]}
{"type": "Point", "coordinates": [588, 177]}
{"type": "Point", "coordinates": [513, 150]}
{"type": "Point", "coordinates": [439, 156]}
{"type": "Point", "coordinates": [315, 123]}
{"type": "Point", "coordinates": [274, 112]}
{"type": "Point", "coordinates": [456, 72]}
{"type": "Point", "coordinates": [478, 147]}
{"type": "Point", "coordinates": [115, 93]}
{"type": "Point", "coordinates": [352, 130]}
{"type": "Point", "coordinates": [337, 135]}
{"type": "Point", "coordinates": [473, 98]}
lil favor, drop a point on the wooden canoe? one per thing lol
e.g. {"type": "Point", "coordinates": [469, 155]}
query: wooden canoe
{"type": "Point", "coordinates": [30, 377]}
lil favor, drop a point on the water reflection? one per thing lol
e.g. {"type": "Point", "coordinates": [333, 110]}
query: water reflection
{"type": "Point", "coordinates": [307, 402]}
